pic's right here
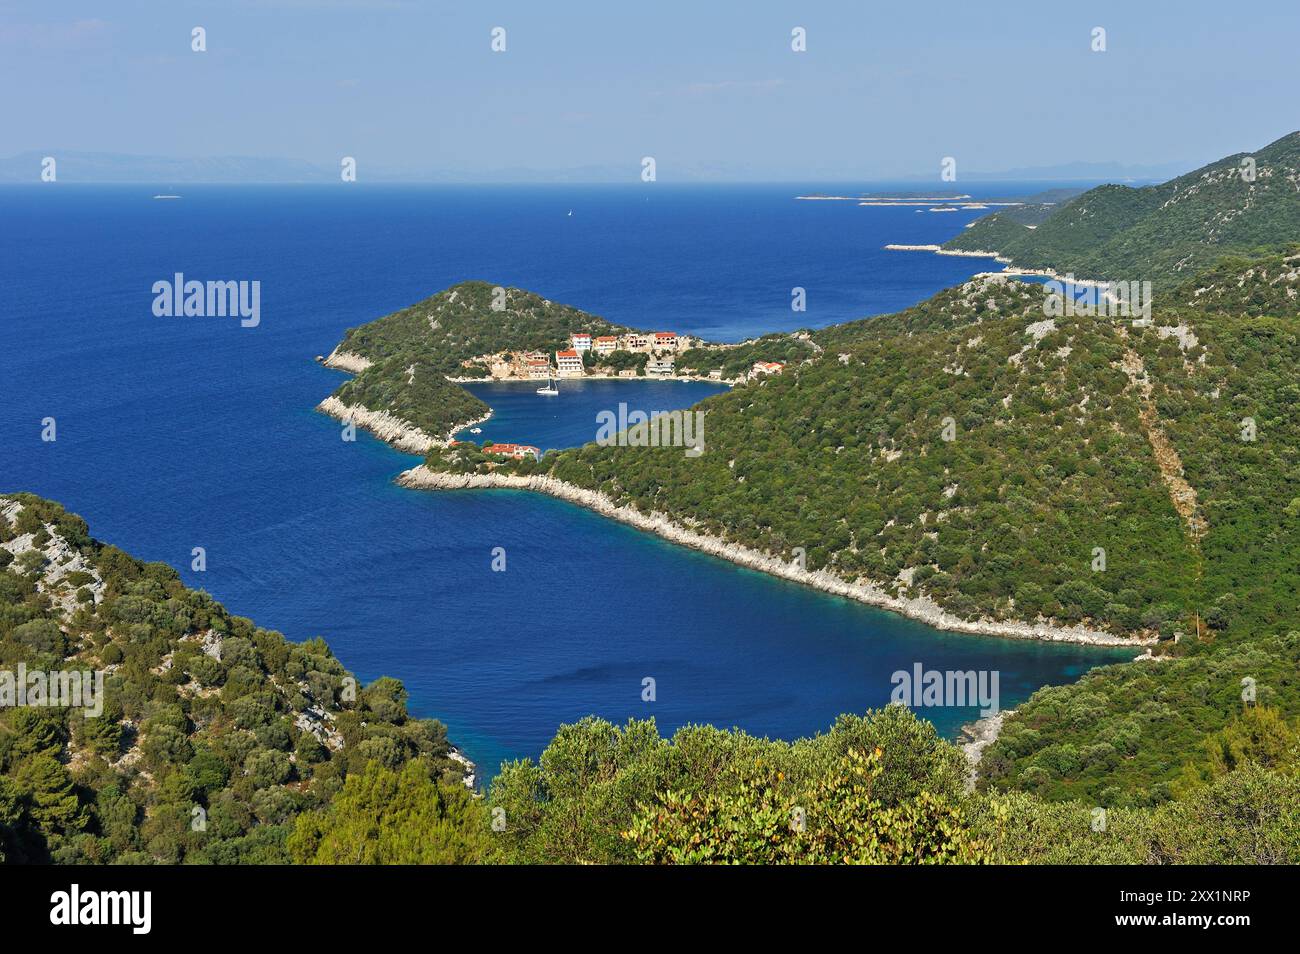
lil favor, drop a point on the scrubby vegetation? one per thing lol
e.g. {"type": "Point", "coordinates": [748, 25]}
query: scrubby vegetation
{"type": "Point", "coordinates": [214, 736]}
{"type": "Point", "coordinates": [1246, 287]}
{"type": "Point", "coordinates": [876, 789]}
{"type": "Point", "coordinates": [416, 393]}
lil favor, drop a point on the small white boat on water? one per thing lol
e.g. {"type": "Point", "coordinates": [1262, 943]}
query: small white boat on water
{"type": "Point", "coordinates": [476, 430]}
{"type": "Point", "coordinates": [552, 387]}
{"type": "Point", "coordinates": [166, 197]}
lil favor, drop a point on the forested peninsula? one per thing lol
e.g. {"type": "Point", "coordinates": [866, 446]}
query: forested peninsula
{"type": "Point", "coordinates": [409, 365]}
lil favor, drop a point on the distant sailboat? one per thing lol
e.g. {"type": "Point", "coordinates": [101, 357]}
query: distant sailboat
{"type": "Point", "coordinates": [552, 387]}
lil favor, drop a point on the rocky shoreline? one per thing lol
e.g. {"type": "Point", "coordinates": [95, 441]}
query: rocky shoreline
{"type": "Point", "coordinates": [346, 361]}
{"type": "Point", "coordinates": [918, 608]}
{"type": "Point", "coordinates": [390, 428]}
{"type": "Point", "coordinates": [1010, 270]}
{"type": "Point", "coordinates": [393, 430]}
{"type": "Point", "coordinates": [470, 778]}
{"type": "Point", "coordinates": [977, 736]}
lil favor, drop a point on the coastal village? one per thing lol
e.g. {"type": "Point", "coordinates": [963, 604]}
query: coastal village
{"type": "Point", "coordinates": [585, 352]}
{"type": "Point", "coordinates": [660, 347]}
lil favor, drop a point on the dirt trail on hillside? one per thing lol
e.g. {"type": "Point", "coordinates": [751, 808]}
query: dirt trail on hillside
{"type": "Point", "coordinates": [1181, 492]}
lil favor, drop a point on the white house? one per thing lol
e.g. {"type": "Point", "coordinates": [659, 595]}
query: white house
{"type": "Point", "coordinates": [569, 363]}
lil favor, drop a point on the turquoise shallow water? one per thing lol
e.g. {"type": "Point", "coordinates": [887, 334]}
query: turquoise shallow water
{"type": "Point", "coordinates": [176, 433]}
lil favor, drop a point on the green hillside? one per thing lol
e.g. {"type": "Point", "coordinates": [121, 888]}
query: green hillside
{"type": "Point", "coordinates": [460, 323]}
{"type": "Point", "coordinates": [1250, 287]}
{"type": "Point", "coordinates": [214, 739]}
{"type": "Point", "coordinates": [1163, 233]}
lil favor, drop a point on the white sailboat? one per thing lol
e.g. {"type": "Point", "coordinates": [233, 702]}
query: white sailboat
{"type": "Point", "coordinates": [552, 387]}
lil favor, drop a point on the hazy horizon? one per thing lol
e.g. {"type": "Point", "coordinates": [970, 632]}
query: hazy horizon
{"type": "Point", "coordinates": [418, 93]}
{"type": "Point", "coordinates": [75, 166]}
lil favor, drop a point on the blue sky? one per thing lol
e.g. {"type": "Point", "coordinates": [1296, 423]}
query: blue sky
{"type": "Point", "coordinates": [884, 89]}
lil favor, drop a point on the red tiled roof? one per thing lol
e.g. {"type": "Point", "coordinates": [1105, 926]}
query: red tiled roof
{"type": "Point", "coordinates": [566, 354]}
{"type": "Point", "coordinates": [505, 448]}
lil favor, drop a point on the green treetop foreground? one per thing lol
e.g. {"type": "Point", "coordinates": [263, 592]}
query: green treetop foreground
{"type": "Point", "coordinates": [220, 742]}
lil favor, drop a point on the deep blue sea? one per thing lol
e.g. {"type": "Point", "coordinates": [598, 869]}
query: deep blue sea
{"type": "Point", "coordinates": [175, 433]}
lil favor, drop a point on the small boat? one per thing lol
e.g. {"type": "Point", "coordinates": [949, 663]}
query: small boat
{"type": "Point", "coordinates": [166, 197]}
{"type": "Point", "coordinates": [552, 388]}
{"type": "Point", "coordinates": [476, 430]}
